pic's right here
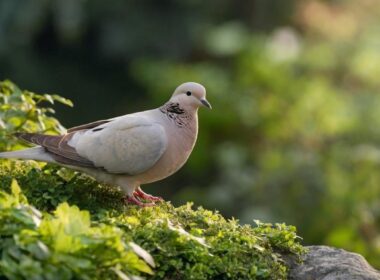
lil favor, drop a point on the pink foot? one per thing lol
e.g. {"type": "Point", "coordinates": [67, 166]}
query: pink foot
{"type": "Point", "coordinates": [139, 193]}
{"type": "Point", "coordinates": [135, 201]}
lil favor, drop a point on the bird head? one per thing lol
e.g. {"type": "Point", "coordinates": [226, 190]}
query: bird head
{"type": "Point", "coordinates": [191, 95]}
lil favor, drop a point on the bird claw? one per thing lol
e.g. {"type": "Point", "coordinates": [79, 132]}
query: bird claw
{"type": "Point", "coordinates": [138, 193]}
{"type": "Point", "coordinates": [133, 200]}
{"type": "Point", "coordinates": [145, 196]}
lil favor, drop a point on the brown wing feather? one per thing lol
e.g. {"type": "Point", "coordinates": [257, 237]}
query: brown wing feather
{"type": "Point", "coordinates": [88, 125]}
{"type": "Point", "coordinates": [58, 146]}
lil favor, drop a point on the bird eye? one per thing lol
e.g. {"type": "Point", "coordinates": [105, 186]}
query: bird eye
{"type": "Point", "coordinates": [188, 93]}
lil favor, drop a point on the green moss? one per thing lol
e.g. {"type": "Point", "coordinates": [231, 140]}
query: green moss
{"type": "Point", "coordinates": [94, 243]}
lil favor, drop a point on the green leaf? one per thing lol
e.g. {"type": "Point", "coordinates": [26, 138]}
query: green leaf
{"type": "Point", "coordinates": [73, 220]}
{"type": "Point", "coordinates": [21, 111]}
{"type": "Point", "coordinates": [120, 274]}
{"type": "Point", "coordinates": [63, 100]}
{"type": "Point", "coordinates": [16, 191]}
{"type": "Point", "coordinates": [49, 98]}
{"type": "Point", "coordinates": [142, 254]}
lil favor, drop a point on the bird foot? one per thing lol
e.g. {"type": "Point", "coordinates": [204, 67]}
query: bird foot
{"type": "Point", "coordinates": [133, 200]}
{"type": "Point", "coordinates": [139, 193]}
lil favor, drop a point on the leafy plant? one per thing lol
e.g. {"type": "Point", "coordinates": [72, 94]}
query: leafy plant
{"type": "Point", "coordinates": [179, 243]}
{"type": "Point", "coordinates": [22, 110]}
{"type": "Point", "coordinates": [62, 245]}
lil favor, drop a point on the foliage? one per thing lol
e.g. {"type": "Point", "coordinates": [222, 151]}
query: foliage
{"type": "Point", "coordinates": [64, 245]}
{"type": "Point", "coordinates": [44, 234]}
{"type": "Point", "coordinates": [22, 111]}
{"type": "Point", "coordinates": [182, 243]}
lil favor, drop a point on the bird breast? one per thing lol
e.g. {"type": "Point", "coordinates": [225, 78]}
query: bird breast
{"type": "Point", "coordinates": [181, 141]}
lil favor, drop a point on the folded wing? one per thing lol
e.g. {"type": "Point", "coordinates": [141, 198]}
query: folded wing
{"type": "Point", "coordinates": [128, 145]}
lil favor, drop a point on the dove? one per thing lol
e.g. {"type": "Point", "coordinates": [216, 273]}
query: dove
{"type": "Point", "coordinates": [129, 150]}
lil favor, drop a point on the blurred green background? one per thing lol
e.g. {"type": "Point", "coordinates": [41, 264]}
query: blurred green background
{"type": "Point", "coordinates": [294, 135]}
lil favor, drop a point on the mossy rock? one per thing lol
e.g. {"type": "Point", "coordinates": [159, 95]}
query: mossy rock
{"type": "Point", "coordinates": [99, 237]}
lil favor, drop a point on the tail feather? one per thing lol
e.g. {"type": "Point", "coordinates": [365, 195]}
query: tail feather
{"type": "Point", "coordinates": [35, 153]}
{"type": "Point", "coordinates": [34, 138]}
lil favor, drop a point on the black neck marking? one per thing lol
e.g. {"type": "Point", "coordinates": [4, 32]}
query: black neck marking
{"type": "Point", "coordinates": [172, 108]}
{"type": "Point", "coordinates": [175, 113]}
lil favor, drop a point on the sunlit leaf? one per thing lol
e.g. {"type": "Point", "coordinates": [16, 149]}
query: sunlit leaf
{"type": "Point", "coordinates": [63, 100]}
{"type": "Point", "coordinates": [142, 253]}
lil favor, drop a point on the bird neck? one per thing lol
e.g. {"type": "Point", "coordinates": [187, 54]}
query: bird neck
{"type": "Point", "coordinates": [172, 108]}
{"type": "Point", "coordinates": [181, 116]}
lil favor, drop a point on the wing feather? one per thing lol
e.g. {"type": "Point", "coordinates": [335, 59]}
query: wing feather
{"type": "Point", "coordinates": [58, 147]}
{"type": "Point", "coordinates": [128, 145]}
{"type": "Point", "coordinates": [88, 125]}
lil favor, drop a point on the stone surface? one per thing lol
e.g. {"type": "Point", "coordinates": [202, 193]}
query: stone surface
{"type": "Point", "coordinates": [327, 263]}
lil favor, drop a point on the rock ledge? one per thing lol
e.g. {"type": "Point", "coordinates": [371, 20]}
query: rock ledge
{"type": "Point", "coordinates": [327, 263]}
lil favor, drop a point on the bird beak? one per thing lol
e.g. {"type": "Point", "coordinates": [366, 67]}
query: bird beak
{"type": "Point", "coordinates": [206, 103]}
